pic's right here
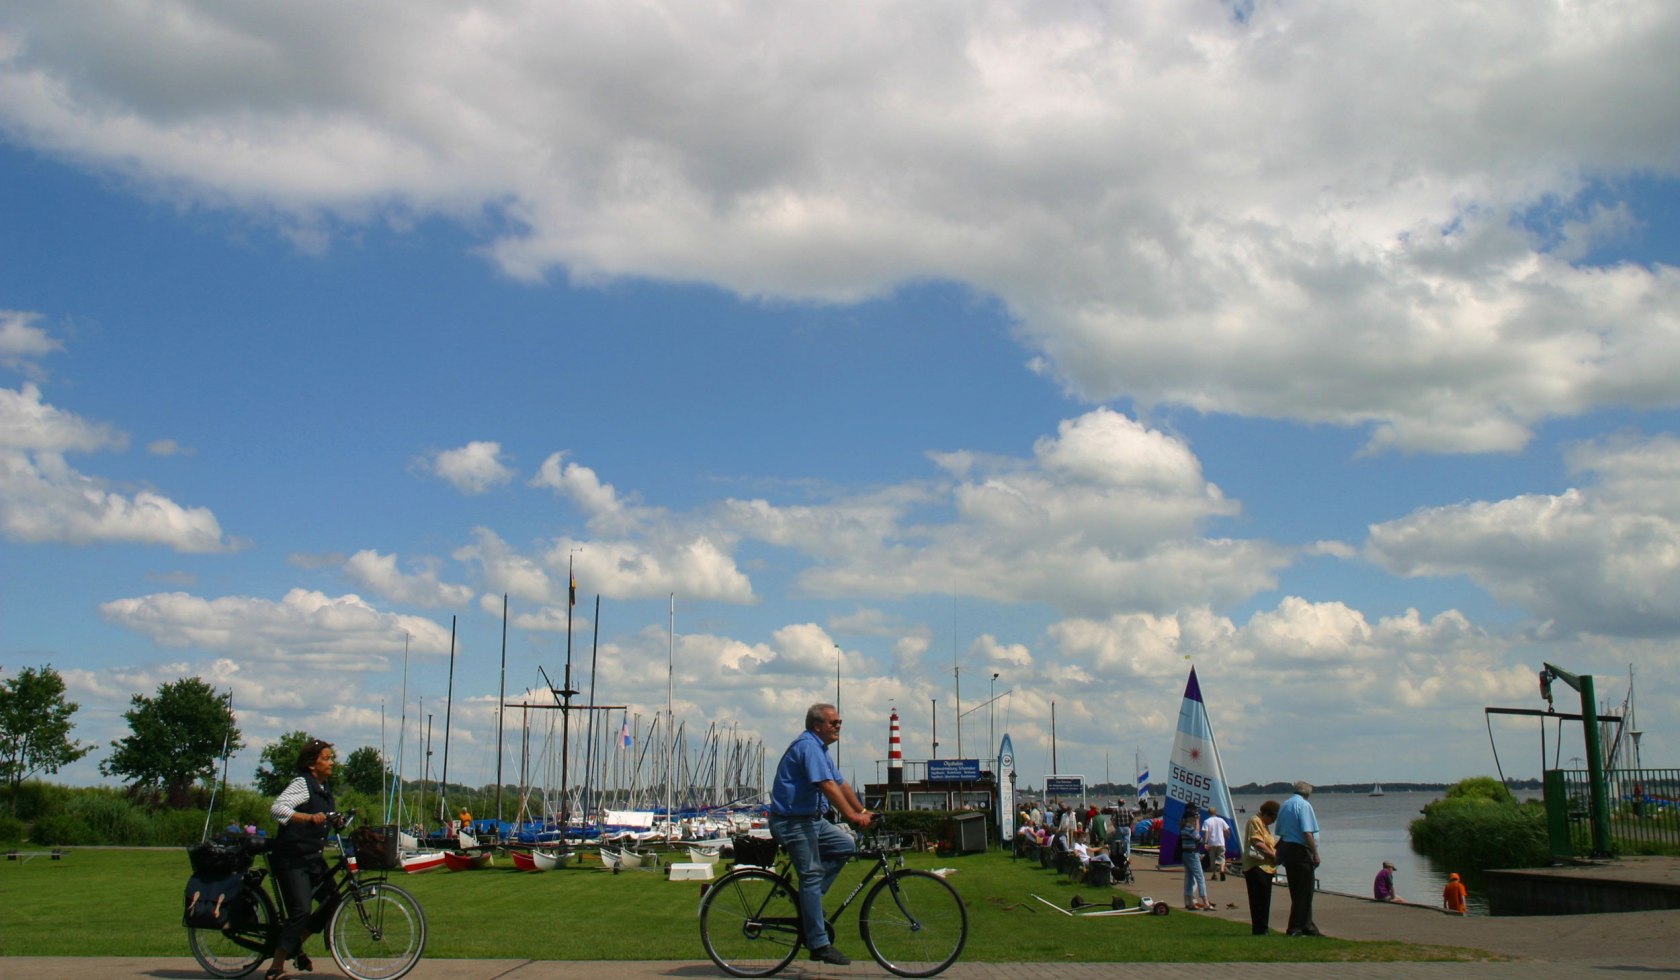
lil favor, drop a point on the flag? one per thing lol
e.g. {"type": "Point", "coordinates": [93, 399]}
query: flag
{"type": "Point", "coordinates": [571, 591]}
{"type": "Point", "coordinates": [1194, 775]}
{"type": "Point", "coordinates": [624, 739]}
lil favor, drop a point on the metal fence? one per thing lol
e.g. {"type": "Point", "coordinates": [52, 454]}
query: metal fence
{"type": "Point", "coordinates": [1644, 811]}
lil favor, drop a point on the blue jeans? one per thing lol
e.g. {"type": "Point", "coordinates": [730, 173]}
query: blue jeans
{"type": "Point", "coordinates": [1195, 885]}
{"type": "Point", "coordinates": [819, 851]}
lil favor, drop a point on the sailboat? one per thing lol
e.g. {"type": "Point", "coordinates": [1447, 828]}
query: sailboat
{"type": "Point", "coordinates": [1376, 789]}
{"type": "Point", "coordinates": [1195, 775]}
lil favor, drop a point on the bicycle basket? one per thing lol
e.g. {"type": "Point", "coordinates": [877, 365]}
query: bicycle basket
{"type": "Point", "coordinates": [757, 851]}
{"type": "Point", "coordinates": [218, 859]}
{"type": "Point", "coordinates": [376, 848]}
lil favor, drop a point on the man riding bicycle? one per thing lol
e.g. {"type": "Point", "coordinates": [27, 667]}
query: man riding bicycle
{"type": "Point", "coordinates": [807, 785]}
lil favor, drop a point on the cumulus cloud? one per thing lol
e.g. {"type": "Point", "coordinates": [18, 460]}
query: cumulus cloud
{"type": "Point", "coordinates": [1372, 219]}
{"type": "Point", "coordinates": [331, 632]}
{"type": "Point", "coordinates": [43, 499]}
{"type": "Point", "coordinates": [379, 573]}
{"type": "Point", "coordinates": [22, 343]}
{"type": "Point", "coordinates": [1602, 557]}
{"type": "Point", "coordinates": [473, 469]}
{"type": "Point", "coordinates": [1106, 513]}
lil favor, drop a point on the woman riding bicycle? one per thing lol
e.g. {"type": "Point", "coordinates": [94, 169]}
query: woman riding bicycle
{"type": "Point", "coordinates": [303, 809]}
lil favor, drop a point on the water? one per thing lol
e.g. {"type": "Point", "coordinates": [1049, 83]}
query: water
{"type": "Point", "coordinates": [1359, 832]}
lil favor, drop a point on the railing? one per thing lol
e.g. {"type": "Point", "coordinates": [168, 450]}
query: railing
{"type": "Point", "coordinates": [1644, 811]}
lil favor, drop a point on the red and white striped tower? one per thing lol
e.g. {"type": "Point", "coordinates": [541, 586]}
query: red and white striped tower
{"type": "Point", "coordinates": [895, 754]}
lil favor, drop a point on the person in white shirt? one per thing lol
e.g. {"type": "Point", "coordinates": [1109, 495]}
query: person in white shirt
{"type": "Point", "coordinates": [1215, 831]}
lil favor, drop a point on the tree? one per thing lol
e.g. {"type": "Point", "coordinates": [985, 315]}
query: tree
{"type": "Point", "coordinates": [278, 765]}
{"type": "Point", "coordinates": [176, 739]}
{"type": "Point", "coordinates": [35, 726]}
{"type": "Point", "coordinates": [364, 772]}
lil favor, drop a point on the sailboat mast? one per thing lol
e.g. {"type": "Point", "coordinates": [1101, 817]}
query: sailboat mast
{"type": "Point", "coordinates": [501, 708]}
{"type": "Point", "coordinates": [670, 674]}
{"type": "Point", "coordinates": [448, 709]}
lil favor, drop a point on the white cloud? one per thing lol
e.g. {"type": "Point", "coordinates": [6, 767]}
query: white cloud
{"type": "Point", "coordinates": [1309, 213]}
{"type": "Point", "coordinates": [22, 343]}
{"type": "Point", "coordinates": [371, 570]}
{"type": "Point", "coordinates": [473, 469]}
{"type": "Point", "coordinates": [43, 499]}
{"type": "Point", "coordinates": [1107, 513]}
{"type": "Point", "coordinates": [1603, 557]}
{"type": "Point", "coordinates": [341, 633]}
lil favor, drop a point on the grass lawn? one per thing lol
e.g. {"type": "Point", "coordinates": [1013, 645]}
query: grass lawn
{"type": "Point", "coordinates": [109, 902]}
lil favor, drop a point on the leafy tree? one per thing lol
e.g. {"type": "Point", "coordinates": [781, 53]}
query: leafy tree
{"type": "Point", "coordinates": [176, 739]}
{"type": "Point", "coordinates": [278, 766]}
{"type": "Point", "coordinates": [35, 726]}
{"type": "Point", "coordinates": [364, 772]}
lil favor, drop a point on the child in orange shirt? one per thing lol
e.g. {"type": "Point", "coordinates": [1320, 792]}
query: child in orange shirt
{"type": "Point", "coordinates": [1452, 896]}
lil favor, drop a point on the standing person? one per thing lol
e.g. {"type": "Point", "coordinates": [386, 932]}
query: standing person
{"type": "Point", "coordinates": [303, 808]}
{"type": "Point", "coordinates": [1383, 888]}
{"type": "Point", "coordinates": [1453, 896]}
{"type": "Point", "coordinates": [1259, 864]}
{"type": "Point", "coordinates": [807, 785]}
{"type": "Point", "coordinates": [1215, 831]}
{"type": "Point", "coordinates": [1297, 830]}
{"type": "Point", "coordinates": [1190, 852]}
{"type": "Point", "coordinates": [1096, 833]}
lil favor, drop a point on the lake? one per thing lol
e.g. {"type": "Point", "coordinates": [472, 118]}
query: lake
{"type": "Point", "coordinates": [1359, 832]}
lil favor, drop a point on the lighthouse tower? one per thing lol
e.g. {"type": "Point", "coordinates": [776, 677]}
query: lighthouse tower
{"type": "Point", "coordinates": [895, 754]}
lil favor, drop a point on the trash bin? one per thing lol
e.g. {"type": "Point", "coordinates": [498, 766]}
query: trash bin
{"type": "Point", "coordinates": [971, 832]}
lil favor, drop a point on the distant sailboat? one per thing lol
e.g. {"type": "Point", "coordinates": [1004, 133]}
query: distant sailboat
{"type": "Point", "coordinates": [1376, 789]}
{"type": "Point", "coordinates": [1195, 774]}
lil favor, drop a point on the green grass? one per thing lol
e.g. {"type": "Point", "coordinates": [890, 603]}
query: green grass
{"type": "Point", "coordinates": [112, 902]}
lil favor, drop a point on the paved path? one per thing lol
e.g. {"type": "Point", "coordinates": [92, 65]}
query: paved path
{"type": "Point", "coordinates": [1633, 944]}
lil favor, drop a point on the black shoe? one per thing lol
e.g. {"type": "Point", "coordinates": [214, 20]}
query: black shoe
{"type": "Point", "coordinates": [828, 954]}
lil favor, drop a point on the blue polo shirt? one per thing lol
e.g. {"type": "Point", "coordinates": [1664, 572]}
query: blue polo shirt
{"type": "Point", "coordinates": [803, 766]}
{"type": "Point", "coordinates": [1296, 820]}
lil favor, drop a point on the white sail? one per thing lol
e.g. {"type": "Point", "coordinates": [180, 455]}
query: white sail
{"type": "Point", "coordinates": [1195, 774]}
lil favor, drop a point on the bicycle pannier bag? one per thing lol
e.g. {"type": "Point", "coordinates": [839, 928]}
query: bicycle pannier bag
{"type": "Point", "coordinates": [756, 851]}
{"type": "Point", "coordinates": [376, 848]}
{"type": "Point", "coordinates": [218, 859]}
{"type": "Point", "coordinates": [210, 902]}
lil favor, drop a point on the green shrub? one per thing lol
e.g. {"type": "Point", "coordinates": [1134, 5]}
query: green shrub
{"type": "Point", "coordinates": [179, 828]}
{"type": "Point", "coordinates": [60, 828]}
{"type": "Point", "coordinates": [1479, 826]}
{"type": "Point", "coordinates": [35, 798]}
{"type": "Point", "coordinates": [11, 830]}
{"type": "Point", "coordinates": [1485, 788]}
{"type": "Point", "coordinates": [110, 818]}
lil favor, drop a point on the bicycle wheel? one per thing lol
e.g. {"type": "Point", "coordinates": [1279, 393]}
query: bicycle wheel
{"type": "Point", "coordinates": [749, 923]}
{"type": "Point", "coordinates": [377, 932]}
{"type": "Point", "coordinates": [914, 923]}
{"type": "Point", "coordinates": [246, 942]}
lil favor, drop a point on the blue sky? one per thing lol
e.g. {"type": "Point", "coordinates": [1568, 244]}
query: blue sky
{"type": "Point", "coordinates": [1330, 351]}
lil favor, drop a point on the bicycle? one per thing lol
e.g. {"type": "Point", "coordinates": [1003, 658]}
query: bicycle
{"type": "Point", "coordinates": [376, 931]}
{"type": "Point", "coordinates": [912, 922]}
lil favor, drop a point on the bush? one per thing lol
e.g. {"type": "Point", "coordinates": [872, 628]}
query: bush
{"type": "Point", "coordinates": [35, 798]}
{"type": "Point", "coordinates": [110, 818]}
{"type": "Point", "coordinates": [60, 828]}
{"type": "Point", "coordinates": [1479, 826]}
{"type": "Point", "coordinates": [179, 828]}
{"type": "Point", "coordinates": [11, 830]}
{"type": "Point", "coordinates": [1484, 788]}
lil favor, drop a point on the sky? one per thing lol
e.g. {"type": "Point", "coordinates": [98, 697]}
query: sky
{"type": "Point", "coordinates": [1016, 356]}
